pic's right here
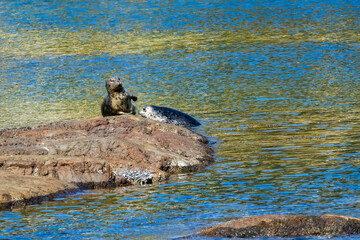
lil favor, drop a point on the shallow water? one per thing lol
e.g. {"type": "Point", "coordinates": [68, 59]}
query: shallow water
{"type": "Point", "coordinates": [275, 84]}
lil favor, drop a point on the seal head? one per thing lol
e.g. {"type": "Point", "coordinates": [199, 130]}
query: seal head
{"type": "Point", "coordinates": [168, 115]}
{"type": "Point", "coordinates": [113, 85]}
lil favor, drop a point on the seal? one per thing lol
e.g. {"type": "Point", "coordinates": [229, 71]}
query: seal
{"type": "Point", "coordinates": [118, 100]}
{"type": "Point", "coordinates": [168, 115]}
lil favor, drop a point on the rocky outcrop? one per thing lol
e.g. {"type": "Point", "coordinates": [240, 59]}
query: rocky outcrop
{"type": "Point", "coordinates": [103, 152]}
{"type": "Point", "coordinates": [284, 226]}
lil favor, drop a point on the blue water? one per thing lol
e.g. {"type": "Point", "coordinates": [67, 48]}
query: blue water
{"type": "Point", "coordinates": [275, 84]}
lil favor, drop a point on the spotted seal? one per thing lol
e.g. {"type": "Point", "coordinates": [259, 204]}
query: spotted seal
{"type": "Point", "coordinates": [168, 115]}
{"type": "Point", "coordinates": [118, 100]}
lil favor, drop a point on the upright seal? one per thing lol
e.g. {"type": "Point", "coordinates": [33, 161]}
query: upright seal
{"type": "Point", "coordinates": [168, 115]}
{"type": "Point", "coordinates": [118, 100]}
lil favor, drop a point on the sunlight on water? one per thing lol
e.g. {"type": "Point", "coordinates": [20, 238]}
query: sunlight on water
{"type": "Point", "coordinates": [275, 84]}
{"type": "Point", "coordinates": [33, 44]}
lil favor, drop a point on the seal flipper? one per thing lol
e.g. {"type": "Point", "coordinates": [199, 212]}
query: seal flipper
{"type": "Point", "coordinates": [133, 97]}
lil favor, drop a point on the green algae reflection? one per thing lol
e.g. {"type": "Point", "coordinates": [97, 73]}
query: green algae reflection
{"type": "Point", "coordinates": [57, 42]}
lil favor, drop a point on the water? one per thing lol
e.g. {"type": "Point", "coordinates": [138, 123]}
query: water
{"type": "Point", "coordinates": [275, 84]}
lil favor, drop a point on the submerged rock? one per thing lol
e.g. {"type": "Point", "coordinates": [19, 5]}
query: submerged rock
{"type": "Point", "coordinates": [284, 226]}
{"type": "Point", "coordinates": [103, 152]}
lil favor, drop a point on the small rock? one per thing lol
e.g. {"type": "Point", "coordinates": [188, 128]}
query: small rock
{"type": "Point", "coordinates": [284, 226]}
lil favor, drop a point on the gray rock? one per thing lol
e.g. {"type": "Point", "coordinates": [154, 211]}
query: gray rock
{"type": "Point", "coordinates": [284, 226]}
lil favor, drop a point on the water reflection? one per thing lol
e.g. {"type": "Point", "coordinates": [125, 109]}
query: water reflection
{"type": "Point", "coordinates": [275, 84]}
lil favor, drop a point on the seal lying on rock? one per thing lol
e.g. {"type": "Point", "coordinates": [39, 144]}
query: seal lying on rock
{"type": "Point", "coordinates": [168, 115]}
{"type": "Point", "coordinates": [118, 100]}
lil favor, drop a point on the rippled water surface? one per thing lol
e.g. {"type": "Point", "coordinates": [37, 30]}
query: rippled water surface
{"type": "Point", "coordinates": [275, 84]}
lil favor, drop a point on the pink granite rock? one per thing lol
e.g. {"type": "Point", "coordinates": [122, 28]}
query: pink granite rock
{"type": "Point", "coordinates": [103, 152]}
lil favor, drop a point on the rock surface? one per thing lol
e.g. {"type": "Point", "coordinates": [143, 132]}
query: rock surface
{"type": "Point", "coordinates": [20, 191]}
{"type": "Point", "coordinates": [284, 226]}
{"type": "Point", "coordinates": [102, 152]}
